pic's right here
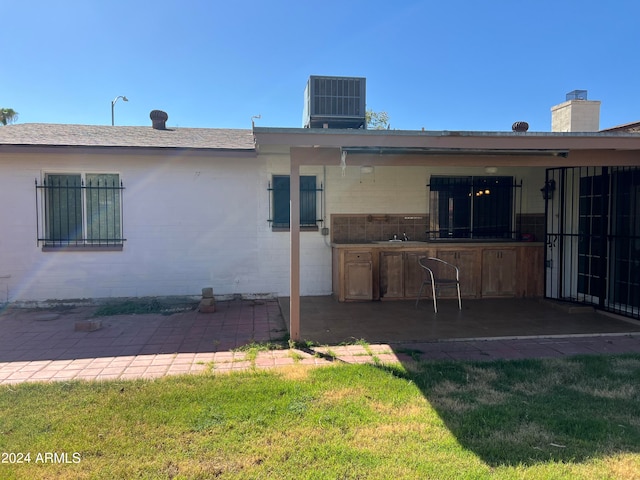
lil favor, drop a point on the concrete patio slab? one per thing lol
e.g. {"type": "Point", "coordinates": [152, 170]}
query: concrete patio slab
{"type": "Point", "coordinates": [326, 321]}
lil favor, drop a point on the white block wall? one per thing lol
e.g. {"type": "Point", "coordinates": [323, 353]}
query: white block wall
{"type": "Point", "coordinates": [315, 249]}
{"type": "Point", "coordinates": [196, 221]}
{"type": "Point", "coordinates": [190, 222]}
{"type": "Point", "coordinates": [403, 190]}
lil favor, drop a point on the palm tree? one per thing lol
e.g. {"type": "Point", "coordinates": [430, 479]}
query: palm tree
{"type": "Point", "coordinates": [8, 115]}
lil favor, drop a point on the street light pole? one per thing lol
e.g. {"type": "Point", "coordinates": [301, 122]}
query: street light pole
{"type": "Point", "coordinates": [113, 104]}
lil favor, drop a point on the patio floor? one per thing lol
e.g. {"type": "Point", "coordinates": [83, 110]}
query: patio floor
{"type": "Point", "coordinates": [42, 346]}
{"type": "Point", "coordinates": [327, 321]}
{"type": "Point", "coordinates": [51, 335]}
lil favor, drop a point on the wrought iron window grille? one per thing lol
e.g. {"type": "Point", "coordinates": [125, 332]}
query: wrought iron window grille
{"type": "Point", "coordinates": [475, 207]}
{"type": "Point", "coordinates": [311, 195]}
{"type": "Point", "coordinates": [74, 210]}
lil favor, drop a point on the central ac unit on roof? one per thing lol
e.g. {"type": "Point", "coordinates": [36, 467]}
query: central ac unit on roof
{"type": "Point", "coordinates": [334, 102]}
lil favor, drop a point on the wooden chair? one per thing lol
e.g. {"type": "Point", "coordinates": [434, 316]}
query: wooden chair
{"type": "Point", "coordinates": [439, 274]}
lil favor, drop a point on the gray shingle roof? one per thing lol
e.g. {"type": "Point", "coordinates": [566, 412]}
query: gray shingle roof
{"type": "Point", "coordinates": [49, 134]}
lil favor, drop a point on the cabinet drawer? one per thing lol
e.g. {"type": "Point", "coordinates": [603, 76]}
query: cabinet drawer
{"type": "Point", "coordinates": [357, 257]}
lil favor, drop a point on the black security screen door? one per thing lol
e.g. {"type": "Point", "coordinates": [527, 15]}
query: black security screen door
{"type": "Point", "coordinates": [592, 230]}
{"type": "Point", "coordinates": [624, 288]}
{"type": "Point", "coordinates": [592, 237]}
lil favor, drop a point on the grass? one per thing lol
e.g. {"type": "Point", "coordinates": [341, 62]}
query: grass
{"type": "Point", "coordinates": [144, 306]}
{"type": "Point", "coordinates": [535, 419]}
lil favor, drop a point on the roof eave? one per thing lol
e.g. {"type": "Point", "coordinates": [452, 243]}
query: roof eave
{"type": "Point", "coordinates": [42, 148]}
{"type": "Point", "coordinates": [446, 140]}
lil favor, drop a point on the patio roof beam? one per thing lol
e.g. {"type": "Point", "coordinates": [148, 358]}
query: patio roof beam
{"type": "Point", "coordinates": [323, 156]}
{"type": "Point", "coordinates": [481, 141]}
{"type": "Point", "coordinates": [450, 151]}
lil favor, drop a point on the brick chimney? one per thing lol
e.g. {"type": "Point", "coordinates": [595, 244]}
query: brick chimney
{"type": "Point", "coordinates": [576, 114]}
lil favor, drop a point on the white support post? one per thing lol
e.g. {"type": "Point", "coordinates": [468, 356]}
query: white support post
{"type": "Point", "coordinates": [294, 231]}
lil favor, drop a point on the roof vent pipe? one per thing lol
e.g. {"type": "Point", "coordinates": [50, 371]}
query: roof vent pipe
{"type": "Point", "coordinates": [159, 119]}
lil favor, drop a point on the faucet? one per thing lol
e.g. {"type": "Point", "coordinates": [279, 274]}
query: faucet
{"type": "Point", "coordinates": [405, 238]}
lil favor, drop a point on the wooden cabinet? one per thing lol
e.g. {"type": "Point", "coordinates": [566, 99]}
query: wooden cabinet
{"type": "Point", "coordinates": [530, 274]}
{"type": "Point", "coordinates": [400, 274]}
{"type": "Point", "coordinates": [413, 273]}
{"type": "Point", "coordinates": [353, 274]}
{"type": "Point", "coordinates": [372, 272]}
{"type": "Point", "coordinates": [498, 272]}
{"type": "Point", "coordinates": [392, 274]}
{"type": "Point", "coordinates": [357, 278]}
{"type": "Point", "coordinates": [467, 262]}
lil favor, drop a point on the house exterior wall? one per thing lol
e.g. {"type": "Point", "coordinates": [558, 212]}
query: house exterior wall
{"type": "Point", "coordinates": [403, 190]}
{"type": "Point", "coordinates": [315, 257]}
{"type": "Point", "coordinates": [387, 190]}
{"type": "Point", "coordinates": [189, 221]}
{"type": "Point", "coordinates": [194, 221]}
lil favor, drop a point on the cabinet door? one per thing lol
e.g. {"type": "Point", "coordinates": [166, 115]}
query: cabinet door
{"type": "Point", "coordinates": [413, 273]}
{"type": "Point", "coordinates": [466, 261]}
{"type": "Point", "coordinates": [358, 281]}
{"type": "Point", "coordinates": [530, 277]}
{"type": "Point", "coordinates": [391, 275]}
{"type": "Point", "coordinates": [498, 272]}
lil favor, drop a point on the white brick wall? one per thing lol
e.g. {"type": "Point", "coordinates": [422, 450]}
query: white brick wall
{"type": "Point", "coordinates": [576, 116]}
{"type": "Point", "coordinates": [189, 222]}
{"type": "Point", "coordinates": [398, 190]}
{"type": "Point", "coordinates": [315, 263]}
{"type": "Point", "coordinates": [195, 221]}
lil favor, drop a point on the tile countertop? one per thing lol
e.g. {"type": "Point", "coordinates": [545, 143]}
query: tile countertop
{"type": "Point", "coordinates": [445, 243]}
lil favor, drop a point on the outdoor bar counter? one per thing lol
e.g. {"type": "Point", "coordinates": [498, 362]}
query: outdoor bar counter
{"type": "Point", "coordinates": [389, 270]}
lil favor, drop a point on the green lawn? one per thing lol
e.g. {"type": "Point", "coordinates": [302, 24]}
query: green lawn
{"type": "Point", "coordinates": [533, 419]}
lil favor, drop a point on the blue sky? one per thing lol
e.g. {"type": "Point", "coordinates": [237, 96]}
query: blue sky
{"type": "Point", "coordinates": [438, 65]}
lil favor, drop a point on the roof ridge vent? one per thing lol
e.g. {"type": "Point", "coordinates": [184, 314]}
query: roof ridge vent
{"type": "Point", "coordinates": [159, 119]}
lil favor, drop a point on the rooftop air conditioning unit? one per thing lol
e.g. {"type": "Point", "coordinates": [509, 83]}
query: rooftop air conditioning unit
{"type": "Point", "coordinates": [334, 102]}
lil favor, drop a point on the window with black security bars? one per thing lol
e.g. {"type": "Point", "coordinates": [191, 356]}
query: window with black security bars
{"type": "Point", "coordinates": [310, 198]}
{"type": "Point", "coordinates": [478, 207]}
{"type": "Point", "coordinates": [75, 209]}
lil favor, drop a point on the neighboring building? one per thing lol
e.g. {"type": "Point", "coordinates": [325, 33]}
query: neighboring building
{"type": "Point", "coordinates": [632, 127]}
{"type": "Point", "coordinates": [92, 212]}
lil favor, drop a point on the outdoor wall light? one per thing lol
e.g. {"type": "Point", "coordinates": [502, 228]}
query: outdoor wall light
{"type": "Point", "coordinates": [548, 189]}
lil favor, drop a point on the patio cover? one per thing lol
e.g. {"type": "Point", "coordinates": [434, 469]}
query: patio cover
{"type": "Point", "coordinates": [328, 147]}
